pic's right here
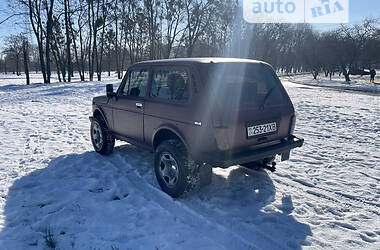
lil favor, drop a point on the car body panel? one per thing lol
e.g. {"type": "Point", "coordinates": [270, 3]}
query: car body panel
{"type": "Point", "coordinates": [128, 118]}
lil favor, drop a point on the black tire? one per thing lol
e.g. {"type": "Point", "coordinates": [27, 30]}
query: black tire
{"type": "Point", "coordinates": [186, 178]}
{"type": "Point", "coordinates": [101, 138]}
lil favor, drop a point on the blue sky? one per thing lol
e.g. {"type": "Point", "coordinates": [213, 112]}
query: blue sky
{"type": "Point", "coordinates": [359, 9]}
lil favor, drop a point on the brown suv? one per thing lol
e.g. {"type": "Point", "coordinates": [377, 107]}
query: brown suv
{"type": "Point", "coordinates": [197, 113]}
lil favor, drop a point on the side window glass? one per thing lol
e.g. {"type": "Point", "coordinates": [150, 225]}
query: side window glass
{"type": "Point", "coordinates": [170, 85]}
{"type": "Point", "coordinates": [124, 91]}
{"type": "Point", "coordinates": [136, 83]}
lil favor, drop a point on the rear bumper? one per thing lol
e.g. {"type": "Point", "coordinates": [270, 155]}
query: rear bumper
{"type": "Point", "coordinates": [226, 159]}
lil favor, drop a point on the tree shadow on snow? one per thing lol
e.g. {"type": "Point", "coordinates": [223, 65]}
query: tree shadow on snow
{"type": "Point", "coordinates": [84, 200]}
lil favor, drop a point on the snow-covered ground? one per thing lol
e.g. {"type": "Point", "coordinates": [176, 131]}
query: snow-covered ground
{"type": "Point", "coordinates": [358, 83]}
{"type": "Point", "coordinates": [55, 189]}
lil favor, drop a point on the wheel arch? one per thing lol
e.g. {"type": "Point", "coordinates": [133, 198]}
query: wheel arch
{"type": "Point", "coordinates": [167, 132]}
{"type": "Point", "coordinates": [98, 112]}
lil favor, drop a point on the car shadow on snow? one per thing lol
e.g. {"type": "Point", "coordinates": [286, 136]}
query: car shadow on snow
{"type": "Point", "coordinates": [83, 200]}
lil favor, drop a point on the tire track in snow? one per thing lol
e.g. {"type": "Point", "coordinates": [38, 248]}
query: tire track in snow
{"type": "Point", "coordinates": [211, 228]}
{"type": "Point", "coordinates": [327, 194]}
{"type": "Point", "coordinates": [250, 234]}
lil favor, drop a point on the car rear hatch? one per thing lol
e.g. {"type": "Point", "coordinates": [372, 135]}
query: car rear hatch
{"type": "Point", "coordinates": [250, 106]}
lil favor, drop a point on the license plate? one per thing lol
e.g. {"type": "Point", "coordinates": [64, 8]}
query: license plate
{"type": "Point", "coordinates": [262, 129]}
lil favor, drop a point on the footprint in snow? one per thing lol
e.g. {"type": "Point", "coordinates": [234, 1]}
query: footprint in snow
{"type": "Point", "coordinates": [365, 237]}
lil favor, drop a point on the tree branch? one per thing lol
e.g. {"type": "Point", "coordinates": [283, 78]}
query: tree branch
{"type": "Point", "coordinates": [6, 19]}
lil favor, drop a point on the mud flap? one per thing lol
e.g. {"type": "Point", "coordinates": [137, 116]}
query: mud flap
{"type": "Point", "coordinates": [285, 156]}
{"type": "Point", "coordinates": [205, 174]}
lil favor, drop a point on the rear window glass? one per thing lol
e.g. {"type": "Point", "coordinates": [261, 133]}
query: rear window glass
{"type": "Point", "coordinates": [244, 84]}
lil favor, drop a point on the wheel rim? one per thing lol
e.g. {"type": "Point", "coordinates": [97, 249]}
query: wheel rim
{"type": "Point", "coordinates": [168, 169]}
{"type": "Point", "coordinates": [97, 136]}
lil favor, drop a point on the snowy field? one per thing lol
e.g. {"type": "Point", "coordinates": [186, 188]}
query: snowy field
{"type": "Point", "coordinates": [56, 192]}
{"type": "Point", "coordinates": [358, 83]}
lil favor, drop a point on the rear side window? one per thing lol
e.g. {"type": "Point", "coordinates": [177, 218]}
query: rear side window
{"type": "Point", "coordinates": [170, 85]}
{"type": "Point", "coordinates": [136, 83]}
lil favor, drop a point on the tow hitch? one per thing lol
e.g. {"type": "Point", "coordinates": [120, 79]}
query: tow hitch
{"type": "Point", "coordinates": [271, 167]}
{"type": "Point", "coordinates": [265, 164]}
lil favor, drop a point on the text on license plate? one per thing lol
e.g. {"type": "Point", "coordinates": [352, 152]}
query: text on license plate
{"type": "Point", "coordinates": [262, 129]}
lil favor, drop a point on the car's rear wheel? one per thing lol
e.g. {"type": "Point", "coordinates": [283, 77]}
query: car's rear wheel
{"type": "Point", "coordinates": [102, 139]}
{"type": "Point", "coordinates": [175, 171]}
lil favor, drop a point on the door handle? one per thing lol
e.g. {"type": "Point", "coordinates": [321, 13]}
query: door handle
{"type": "Point", "coordinates": [139, 105]}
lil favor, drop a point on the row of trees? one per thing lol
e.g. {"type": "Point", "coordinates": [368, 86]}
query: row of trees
{"type": "Point", "coordinates": [297, 48]}
{"type": "Point", "coordinates": [93, 36]}
{"type": "Point", "coordinates": [97, 35]}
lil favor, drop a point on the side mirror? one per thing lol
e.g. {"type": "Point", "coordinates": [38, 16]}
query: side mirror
{"type": "Point", "coordinates": [110, 92]}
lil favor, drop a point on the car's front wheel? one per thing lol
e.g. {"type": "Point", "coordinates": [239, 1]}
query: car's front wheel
{"type": "Point", "coordinates": [101, 137]}
{"type": "Point", "coordinates": [176, 172]}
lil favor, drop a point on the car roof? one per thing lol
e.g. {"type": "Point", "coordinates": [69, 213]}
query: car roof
{"type": "Point", "coordinates": [198, 60]}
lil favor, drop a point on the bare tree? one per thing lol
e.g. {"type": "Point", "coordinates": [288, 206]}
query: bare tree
{"type": "Point", "coordinates": [198, 16]}
{"type": "Point", "coordinates": [17, 46]}
{"type": "Point", "coordinates": [14, 48]}
{"type": "Point", "coordinates": [174, 16]}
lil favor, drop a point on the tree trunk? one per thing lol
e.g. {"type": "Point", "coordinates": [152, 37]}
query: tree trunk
{"type": "Point", "coordinates": [57, 67]}
{"type": "Point", "coordinates": [151, 28]}
{"type": "Point", "coordinates": [68, 42]}
{"type": "Point", "coordinates": [109, 60]}
{"type": "Point", "coordinates": [94, 55]}
{"type": "Point", "coordinates": [76, 53]}
{"type": "Point", "coordinates": [77, 60]}
{"type": "Point", "coordinates": [123, 56]}
{"type": "Point", "coordinates": [49, 31]}
{"type": "Point", "coordinates": [5, 67]}
{"type": "Point", "coordinates": [100, 58]}
{"type": "Point", "coordinates": [346, 74]}
{"type": "Point", "coordinates": [60, 63]}
{"type": "Point", "coordinates": [315, 74]}
{"type": "Point", "coordinates": [117, 45]}
{"type": "Point", "coordinates": [81, 63]}
{"type": "Point", "coordinates": [90, 67]}
{"type": "Point", "coordinates": [17, 65]}
{"type": "Point", "coordinates": [42, 61]}
{"type": "Point", "coordinates": [25, 51]}
{"type": "Point", "coordinates": [190, 50]}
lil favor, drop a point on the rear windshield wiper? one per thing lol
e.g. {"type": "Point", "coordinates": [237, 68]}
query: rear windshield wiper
{"type": "Point", "coordinates": [266, 97]}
